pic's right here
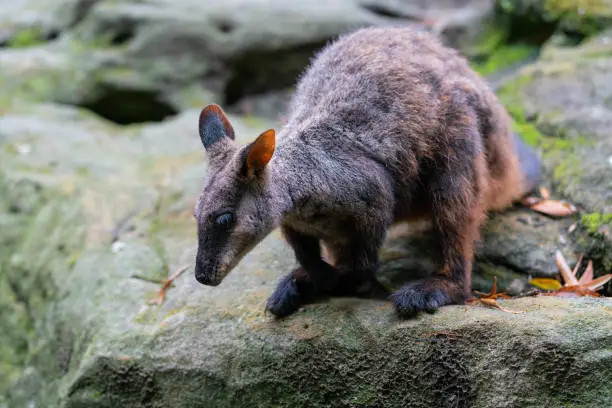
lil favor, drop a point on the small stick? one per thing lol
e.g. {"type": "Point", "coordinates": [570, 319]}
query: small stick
{"type": "Point", "coordinates": [162, 292]}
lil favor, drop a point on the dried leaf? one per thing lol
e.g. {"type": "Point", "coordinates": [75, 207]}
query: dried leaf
{"type": "Point", "coordinates": [577, 266]}
{"type": "Point", "coordinates": [598, 283]}
{"type": "Point", "coordinates": [587, 276]}
{"type": "Point", "coordinates": [546, 283]}
{"type": "Point", "coordinates": [544, 193]}
{"type": "Point", "coordinates": [531, 200]}
{"type": "Point", "coordinates": [489, 299]}
{"type": "Point", "coordinates": [565, 270]}
{"type": "Point", "coordinates": [572, 228]}
{"type": "Point", "coordinates": [553, 208]}
{"type": "Point", "coordinates": [493, 303]}
{"type": "Point", "coordinates": [575, 290]}
{"type": "Point", "coordinates": [586, 286]}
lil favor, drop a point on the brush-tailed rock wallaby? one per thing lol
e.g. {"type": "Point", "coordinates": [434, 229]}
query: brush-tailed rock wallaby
{"type": "Point", "coordinates": [386, 125]}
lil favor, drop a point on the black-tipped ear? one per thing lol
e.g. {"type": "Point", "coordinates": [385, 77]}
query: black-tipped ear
{"type": "Point", "coordinates": [214, 125]}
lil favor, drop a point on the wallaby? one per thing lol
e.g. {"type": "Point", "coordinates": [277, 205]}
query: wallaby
{"type": "Point", "coordinates": [386, 125]}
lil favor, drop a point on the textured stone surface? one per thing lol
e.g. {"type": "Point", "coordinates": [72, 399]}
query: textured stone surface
{"type": "Point", "coordinates": [563, 101]}
{"type": "Point", "coordinates": [185, 53]}
{"type": "Point", "coordinates": [88, 337]}
{"type": "Point", "coordinates": [584, 17]}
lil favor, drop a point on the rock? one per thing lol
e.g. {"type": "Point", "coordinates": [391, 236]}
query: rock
{"type": "Point", "coordinates": [25, 21]}
{"type": "Point", "coordinates": [562, 105]}
{"type": "Point", "coordinates": [168, 55]}
{"type": "Point", "coordinates": [584, 17]}
{"type": "Point", "coordinates": [108, 211]}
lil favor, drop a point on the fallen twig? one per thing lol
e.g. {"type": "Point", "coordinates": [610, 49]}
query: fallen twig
{"type": "Point", "coordinates": [166, 284]}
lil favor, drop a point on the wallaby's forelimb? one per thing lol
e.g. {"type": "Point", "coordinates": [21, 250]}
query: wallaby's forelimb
{"type": "Point", "coordinates": [304, 284]}
{"type": "Point", "coordinates": [354, 274]}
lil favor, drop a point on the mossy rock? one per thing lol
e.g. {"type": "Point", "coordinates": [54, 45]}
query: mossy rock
{"type": "Point", "coordinates": [559, 106]}
{"type": "Point", "coordinates": [585, 17]}
{"type": "Point", "coordinates": [118, 201]}
{"type": "Point", "coordinates": [133, 63]}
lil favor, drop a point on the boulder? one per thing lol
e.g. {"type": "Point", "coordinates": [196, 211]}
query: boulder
{"type": "Point", "coordinates": [561, 104]}
{"type": "Point", "coordinates": [574, 16]}
{"type": "Point", "coordinates": [134, 61]}
{"type": "Point", "coordinates": [98, 215]}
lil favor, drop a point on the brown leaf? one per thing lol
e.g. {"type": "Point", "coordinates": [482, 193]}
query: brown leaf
{"type": "Point", "coordinates": [544, 193]}
{"type": "Point", "coordinates": [586, 286]}
{"type": "Point", "coordinates": [598, 283]}
{"type": "Point", "coordinates": [566, 272]}
{"type": "Point", "coordinates": [546, 283]}
{"type": "Point", "coordinates": [493, 303]}
{"type": "Point", "coordinates": [489, 299]}
{"type": "Point", "coordinates": [531, 200]}
{"type": "Point", "coordinates": [587, 275]}
{"type": "Point", "coordinates": [554, 208]}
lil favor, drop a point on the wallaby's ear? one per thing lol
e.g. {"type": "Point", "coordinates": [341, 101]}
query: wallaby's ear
{"type": "Point", "coordinates": [259, 153]}
{"type": "Point", "coordinates": [214, 125]}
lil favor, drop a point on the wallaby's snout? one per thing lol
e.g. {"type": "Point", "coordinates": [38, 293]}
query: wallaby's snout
{"type": "Point", "coordinates": [207, 274]}
{"type": "Point", "coordinates": [235, 210]}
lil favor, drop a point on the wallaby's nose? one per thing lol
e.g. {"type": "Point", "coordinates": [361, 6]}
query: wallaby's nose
{"type": "Point", "coordinates": [203, 276]}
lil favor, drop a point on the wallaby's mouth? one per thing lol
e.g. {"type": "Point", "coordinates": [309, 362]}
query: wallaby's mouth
{"type": "Point", "coordinates": [207, 280]}
{"type": "Point", "coordinates": [208, 276]}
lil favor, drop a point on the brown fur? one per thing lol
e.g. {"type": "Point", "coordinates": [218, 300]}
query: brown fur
{"type": "Point", "coordinates": [386, 126]}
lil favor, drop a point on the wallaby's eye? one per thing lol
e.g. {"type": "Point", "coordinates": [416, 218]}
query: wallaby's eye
{"type": "Point", "coordinates": [224, 220]}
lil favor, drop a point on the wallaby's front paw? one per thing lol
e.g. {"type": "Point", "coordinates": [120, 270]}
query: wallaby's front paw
{"type": "Point", "coordinates": [293, 291]}
{"type": "Point", "coordinates": [426, 295]}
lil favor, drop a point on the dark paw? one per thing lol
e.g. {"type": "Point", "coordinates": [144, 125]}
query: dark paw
{"type": "Point", "coordinates": [421, 296]}
{"type": "Point", "coordinates": [285, 299]}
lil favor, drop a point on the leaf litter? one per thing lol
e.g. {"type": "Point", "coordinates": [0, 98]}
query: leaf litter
{"type": "Point", "coordinates": [547, 206]}
{"type": "Point", "coordinates": [490, 299]}
{"type": "Point", "coordinates": [586, 285]}
{"type": "Point", "coordinates": [573, 286]}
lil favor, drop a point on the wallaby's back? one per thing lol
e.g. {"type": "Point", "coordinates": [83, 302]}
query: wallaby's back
{"type": "Point", "coordinates": [390, 92]}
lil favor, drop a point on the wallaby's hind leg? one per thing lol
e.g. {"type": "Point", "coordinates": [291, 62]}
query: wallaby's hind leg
{"type": "Point", "coordinates": [307, 282]}
{"type": "Point", "coordinates": [457, 209]}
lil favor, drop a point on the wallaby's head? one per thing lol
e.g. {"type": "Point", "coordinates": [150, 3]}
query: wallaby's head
{"type": "Point", "coordinates": [235, 209]}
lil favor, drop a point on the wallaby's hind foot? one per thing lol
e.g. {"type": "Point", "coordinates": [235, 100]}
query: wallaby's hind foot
{"type": "Point", "coordinates": [427, 295]}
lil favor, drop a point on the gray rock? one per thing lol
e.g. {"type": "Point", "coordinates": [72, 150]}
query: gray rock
{"type": "Point", "coordinates": [572, 15]}
{"type": "Point", "coordinates": [108, 212]}
{"type": "Point", "coordinates": [39, 20]}
{"type": "Point", "coordinates": [562, 104]}
{"type": "Point", "coordinates": [176, 55]}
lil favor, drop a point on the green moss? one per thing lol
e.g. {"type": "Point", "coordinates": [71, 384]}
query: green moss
{"type": "Point", "coordinates": [567, 170]}
{"type": "Point", "coordinates": [593, 221]}
{"type": "Point", "coordinates": [504, 57]}
{"type": "Point", "coordinates": [527, 128]}
{"type": "Point", "coordinates": [580, 16]}
{"type": "Point", "coordinates": [492, 38]}
{"type": "Point", "coordinates": [26, 38]}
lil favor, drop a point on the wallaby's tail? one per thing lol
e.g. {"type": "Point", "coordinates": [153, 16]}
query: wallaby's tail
{"type": "Point", "coordinates": [530, 164]}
